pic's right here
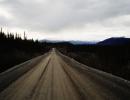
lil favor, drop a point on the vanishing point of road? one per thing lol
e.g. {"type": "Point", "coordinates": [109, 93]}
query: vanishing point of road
{"type": "Point", "coordinates": [54, 76]}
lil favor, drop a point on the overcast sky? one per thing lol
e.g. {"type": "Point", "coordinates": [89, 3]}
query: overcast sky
{"type": "Point", "coordinates": [67, 19]}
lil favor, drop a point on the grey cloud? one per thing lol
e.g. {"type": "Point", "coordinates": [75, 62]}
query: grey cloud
{"type": "Point", "coordinates": [55, 15]}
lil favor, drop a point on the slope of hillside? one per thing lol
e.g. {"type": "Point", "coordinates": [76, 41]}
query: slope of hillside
{"type": "Point", "coordinates": [115, 41]}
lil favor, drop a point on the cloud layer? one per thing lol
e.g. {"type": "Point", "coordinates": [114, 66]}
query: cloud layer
{"type": "Point", "coordinates": [71, 19]}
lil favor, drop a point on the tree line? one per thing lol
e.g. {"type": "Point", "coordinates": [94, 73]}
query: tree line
{"type": "Point", "coordinates": [14, 49]}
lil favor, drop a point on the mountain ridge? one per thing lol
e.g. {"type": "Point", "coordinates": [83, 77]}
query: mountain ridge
{"type": "Point", "coordinates": [108, 41]}
{"type": "Point", "coordinates": [115, 41]}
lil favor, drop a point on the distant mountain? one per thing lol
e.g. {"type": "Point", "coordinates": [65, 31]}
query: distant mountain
{"type": "Point", "coordinates": [109, 41]}
{"type": "Point", "coordinates": [51, 41]}
{"type": "Point", "coordinates": [75, 42]}
{"type": "Point", "coordinates": [83, 42]}
{"type": "Point", "coordinates": [115, 41]}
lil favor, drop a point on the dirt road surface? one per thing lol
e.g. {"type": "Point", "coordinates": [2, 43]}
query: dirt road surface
{"type": "Point", "coordinates": [54, 76]}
